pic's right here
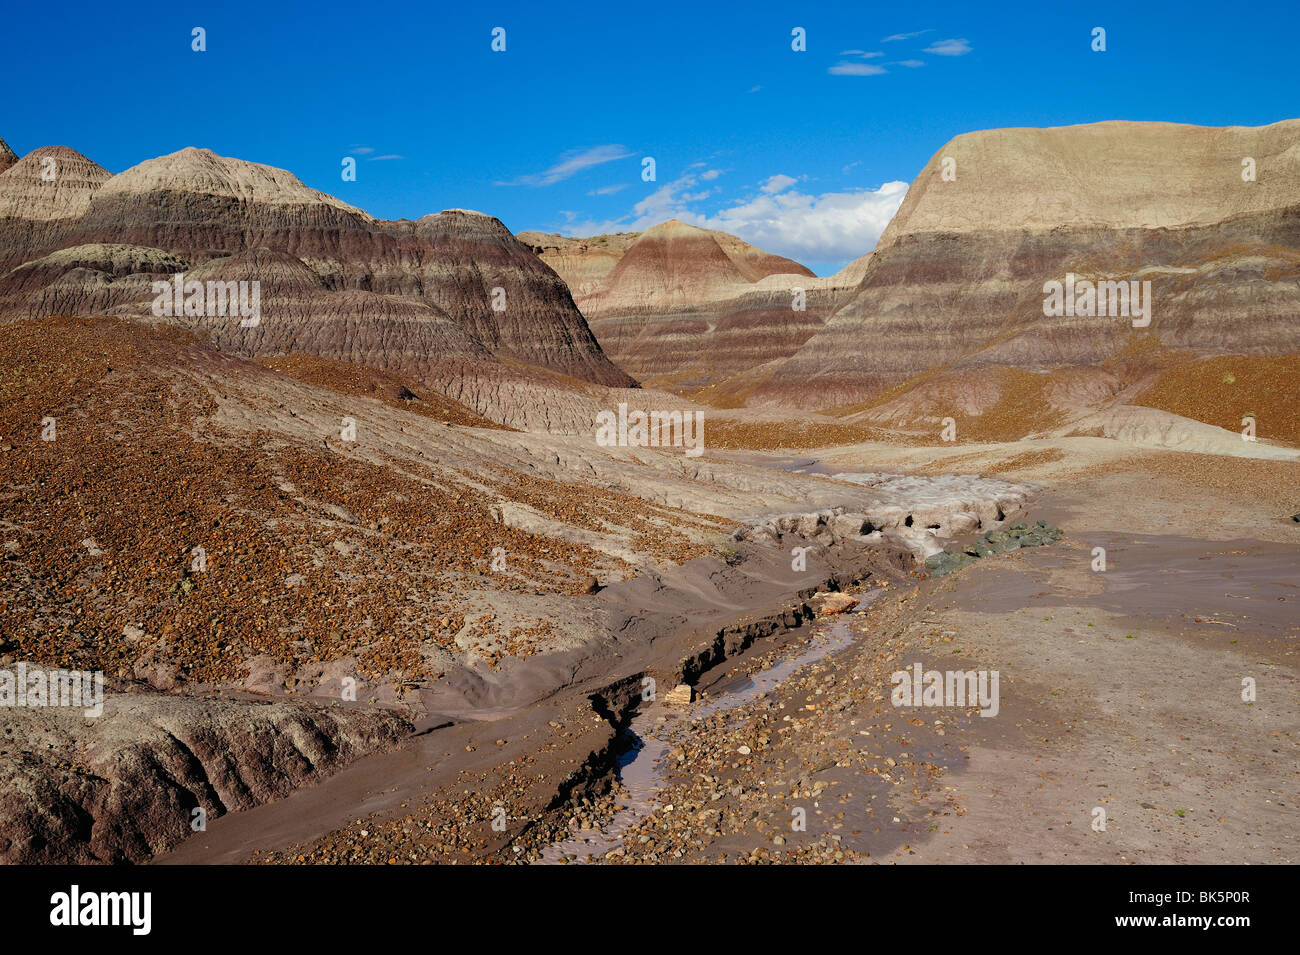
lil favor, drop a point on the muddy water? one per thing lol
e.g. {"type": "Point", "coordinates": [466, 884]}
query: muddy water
{"type": "Point", "coordinates": [642, 768]}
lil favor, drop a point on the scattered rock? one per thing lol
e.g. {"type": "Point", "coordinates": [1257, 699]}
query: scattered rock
{"type": "Point", "coordinates": [993, 542]}
{"type": "Point", "coordinates": [944, 563]}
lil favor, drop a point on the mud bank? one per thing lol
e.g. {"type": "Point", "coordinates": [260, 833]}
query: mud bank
{"type": "Point", "coordinates": [646, 742]}
{"type": "Point", "coordinates": [541, 733]}
{"type": "Point", "coordinates": [498, 755]}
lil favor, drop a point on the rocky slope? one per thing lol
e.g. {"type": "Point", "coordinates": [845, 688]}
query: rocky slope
{"type": "Point", "coordinates": [452, 299]}
{"type": "Point", "coordinates": [684, 307]}
{"type": "Point", "coordinates": [956, 284]}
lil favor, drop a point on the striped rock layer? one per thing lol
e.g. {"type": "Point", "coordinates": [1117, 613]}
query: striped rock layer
{"type": "Point", "coordinates": [687, 307]}
{"type": "Point", "coordinates": [957, 281]}
{"type": "Point", "coordinates": [453, 299]}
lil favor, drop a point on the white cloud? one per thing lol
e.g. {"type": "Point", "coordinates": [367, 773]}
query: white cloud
{"type": "Point", "coordinates": [710, 174]}
{"type": "Point", "coordinates": [831, 227]}
{"type": "Point", "coordinates": [662, 204]}
{"type": "Point", "coordinates": [777, 183]}
{"type": "Point", "coordinates": [904, 36]}
{"type": "Point", "coordinates": [755, 89]}
{"type": "Point", "coordinates": [856, 69]}
{"type": "Point", "coordinates": [911, 64]}
{"type": "Point", "coordinates": [570, 164]}
{"type": "Point", "coordinates": [382, 158]}
{"type": "Point", "coordinates": [608, 190]}
{"type": "Point", "coordinates": [361, 150]}
{"type": "Point", "coordinates": [949, 47]}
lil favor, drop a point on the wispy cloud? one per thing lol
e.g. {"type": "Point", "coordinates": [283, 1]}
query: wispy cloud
{"type": "Point", "coordinates": [905, 36]}
{"type": "Point", "coordinates": [911, 64]}
{"type": "Point", "coordinates": [755, 89]}
{"type": "Point", "coordinates": [949, 47]}
{"type": "Point", "coordinates": [608, 190]}
{"type": "Point", "coordinates": [856, 69]}
{"type": "Point", "coordinates": [862, 53]}
{"type": "Point", "coordinates": [570, 164]}
{"type": "Point", "coordinates": [356, 150]}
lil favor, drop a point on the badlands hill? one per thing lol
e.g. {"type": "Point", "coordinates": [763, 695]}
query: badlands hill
{"type": "Point", "coordinates": [41, 196]}
{"type": "Point", "coordinates": [684, 307]}
{"type": "Point", "coordinates": [583, 263]}
{"type": "Point", "coordinates": [7, 156]}
{"type": "Point", "coordinates": [949, 315]}
{"type": "Point", "coordinates": [411, 297]}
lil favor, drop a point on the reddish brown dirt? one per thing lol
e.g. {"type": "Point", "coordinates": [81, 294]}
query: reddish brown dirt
{"type": "Point", "coordinates": [100, 524]}
{"type": "Point", "coordinates": [1222, 390]}
{"type": "Point", "coordinates": [776, 435]}
{"type": "Point", "coordinates": [393, 390]}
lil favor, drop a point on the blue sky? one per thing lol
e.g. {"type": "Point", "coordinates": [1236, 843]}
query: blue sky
{"type": "Point", "coordinates": [801, 152]}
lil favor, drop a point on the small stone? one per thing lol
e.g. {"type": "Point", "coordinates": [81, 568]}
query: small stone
{"type": "Point", "coordinates": [680, 695]}
{"type": "Point", "coordinates": [824, 604]}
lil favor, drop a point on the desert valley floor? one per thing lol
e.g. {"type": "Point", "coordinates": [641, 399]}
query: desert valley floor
{"type": "Point", "coordinates": [509, 696]}
{"type": "Point", "coordinates": [368, 581]}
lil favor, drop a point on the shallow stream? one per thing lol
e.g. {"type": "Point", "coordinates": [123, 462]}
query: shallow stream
{"type": "Point", "coordinates": [642, 770]}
